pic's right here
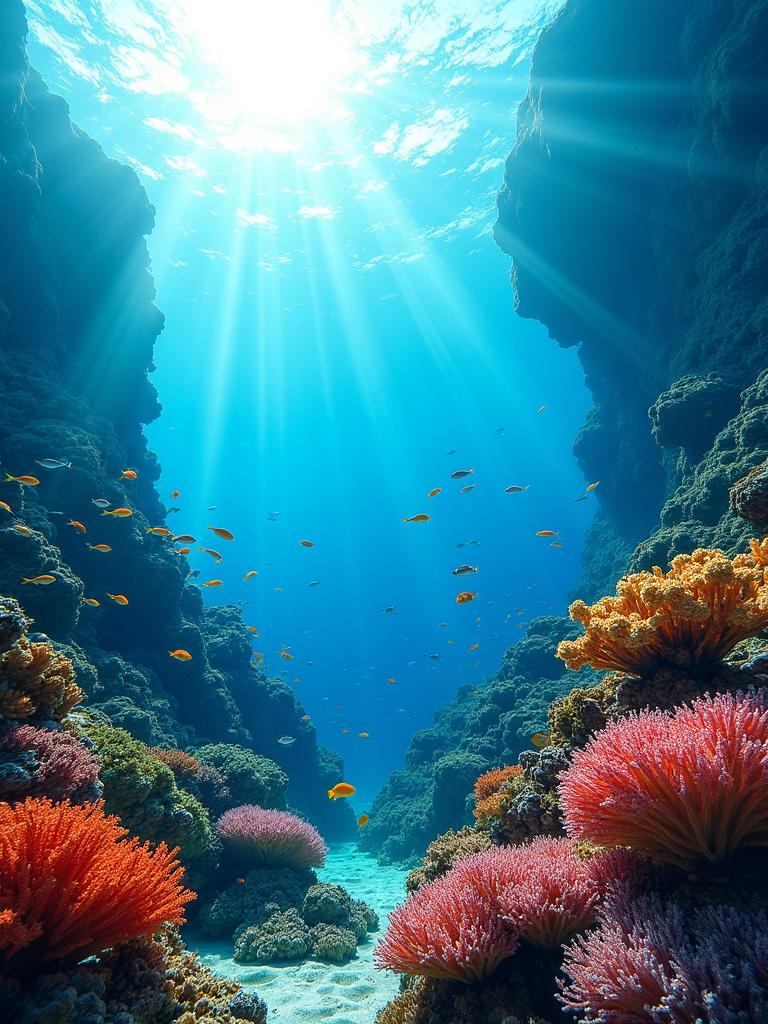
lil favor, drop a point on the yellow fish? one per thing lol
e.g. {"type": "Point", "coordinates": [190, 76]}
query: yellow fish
{"type": "Point", "coordinates": [29, 481]}
{"type": "Point", "coordinates": [240, 881]}
{"type": "Point", "coordinates": [345, 730]}
{"type": "Point", "coordinates": [159, 531]}
{"type": "Point", "coordinates": [391, 681]}
{"type": "Point", "coordinates": [121, 513]}
{"type": "Point", "coordinates": [6, 507]}
{"type": "Point", "coordinates": [41, 581]}
{"type": "Point", "coordinates": [306, 543]}
{"type": "Point", "coordinates": [363, 735]}
{"type": "Point", "coordinates": [91, 601]}
{"type": "Point", "coordinates": [213, 583]}
{"type": "Point", "coordinates": [224, 534]}
{"type": "Point", "coordinates": [541, 739]}
{"type": "Point", "coordinates": [118, 598]}
{"type": "Point", "coordinates": [77, 526]}
{"type": "Point", "coordinates": [181, 655]}
{"type": "Point", "coordinates": [341, 789]}
{"type": "Point", "coordinates": [253, 572]}
{"type": "Point", "coordinates": [547, 533]}
{"type": "Point", "coordinates": [465, 596]}
{"type": "Point", "coordinates": [253, 630]}
{"type": "Point", "coordinates": [23, 530]}
{"type": "Point", "coordinates": [99, 547]}
{"type": "Point", "coordinates": [474, 647]}
{"type": "Point", "coordinates": [556, 544]}
{"type": "Point", "coordinates": [432, 493]}
{"type": "Point", "coordinates": [362, 820]}
{"type": "Point", "coordinates": [592, 487]}
{"type": "Point", "coordinates": [418, 519]}
{"type": "Point", "coordinates": [129, 474]}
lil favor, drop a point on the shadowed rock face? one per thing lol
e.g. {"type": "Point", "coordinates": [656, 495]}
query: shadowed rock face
{"type": "Point", "coordinates": [78, 324]}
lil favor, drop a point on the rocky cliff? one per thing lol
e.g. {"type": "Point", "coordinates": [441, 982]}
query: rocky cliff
{"type": "Point", "coordinates": [78, 325]}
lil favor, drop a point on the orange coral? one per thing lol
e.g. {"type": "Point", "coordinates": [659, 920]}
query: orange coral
{"type": "Point", "coordinates": [692, 615]}
{"type": "Point", "coordinates": [182, 764]}
{"type": "Point", "coordinates": [36, 678]}
{"type": "Point", "coordinates": [489, 794]}
{"type": "Point", "coordinates": [72, 885]}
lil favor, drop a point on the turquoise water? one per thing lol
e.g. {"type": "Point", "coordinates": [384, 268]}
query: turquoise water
{"type": "Point", "coordinates": [338, 319]}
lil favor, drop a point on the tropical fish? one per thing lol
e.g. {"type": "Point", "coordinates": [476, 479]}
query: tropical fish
{"type": "Point", "coordinates": [556, 544]}
{"type": "Point", "coordinates": [464, 570]}
{"type": "Point", "coordinates": [284, 653]}
{"type": "Point", "coordinates": [345, 731]}
{"type": "Point", "coordinates": [421, 518]}
{"type": "Point", "coordinates": [40, 581]}
{"type": "Point", "coordinates": [29, 481]}
{"type": "Point", "coordinates": [101, 502]}
{"type": "Point", "coordinates": [210, 551]}
{"type": "Point", "coordinates": [306, 718]}
{"type": "Point", "coordinates": [174, 509]}
{"type": "Point", "coordinates": [240, 881]}
{"type": "Point", "coordinates": [184, 538]}
{"type": "Point", "coordinates": [129, 474]}
{"type": "Point", "coordinates": [159, 531]}
{"type": "Point", "coordinates": [306, 543]}
{"type": "Point", "coordinates": [278, 589]}
{"type": "Point", "coordinates": [224, 534]}
{"type": "Point", "coordinates": [192, 575]}
{"type": "Point", "coordinates": [461, 473]}
{"type": "Point", "coordinates": [451, 452]}
{"type": "Point", "coordinates": [541, 409]}
{"type": "Point", "coordinates": [99, 547]}
{"type": "Point", "coordinates": [363, 735]}
{"type": "Point", "coordinates": [474, 647]}
{"type": "Point", "coordinates": [6, 507]}
{"type": "Point", "coordinates": [118, 598]}
{"type": "Point", "coordinates": [582, 498]}
{"type": "Point", "coordinates": [592, 487]}
{"type": "Point", "coordinates": [465, 596]}
{"type": "Point", "coordinates": [515, 489]}
{"type": "Point", "coordinates": [181, 655]}
{"type": "Point", "coordinates": [213, 583]}
{"type": "Point", "coordinates": [258, 658]}
{"type": "Point", "coordinates": [211, 508]}
{"type": "Point", "coordinates": [541, 739]}
{"type": "Point", "coordinates": [362, 820]}
{"type": "Point", "coordinates": [435, 657]}
{"type": "Point", "coordinates": [174, 494]}
{"type": "Point", "coordinates": [121, 513]}
{"type": "Point", "coordinates": [77, 526]}
{"type": "Point", "coordinates": [253, 572]}
{"type": "Point", "coordinates": [475, 542]}
{"type": "Point", "coordinates": [547, 533]}
{"type": "Point", "coordinates": [91, 601]}
{"type": "Point", "coordinates": [53, 464]}
{"type": "Point", "coordinates": [182, 551]}
{"type": "Point", "coordinates": [434, 491]}
{"type": "Point", "coordinates": [23, 530]}
{"type": "Point", "coordinates": [253, 630]}
{"type": "Point", "coordinates": [390, 610]}
{"type": "Point", "coordinates": [469, 487]}
{"type": "Point", "coordinates": [451, 641]}
{"type": "Point", "coordinates": [287, 741]}
{"type": "Point", "coordinates": [341, 789]}
{"type": "Point", "coordinates": [461, 544]}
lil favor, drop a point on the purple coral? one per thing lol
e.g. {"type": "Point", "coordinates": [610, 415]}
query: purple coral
{"type": "Point", "coordinates": [270, 838]}
{"type": "Point", "coordinates": [46, 762]}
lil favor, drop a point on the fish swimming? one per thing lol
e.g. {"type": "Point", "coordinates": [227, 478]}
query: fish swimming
{"type": "Point", "coordinates": [182, 551]}
{"type": "Point", "coordinates": [101, 502]}
{"type": "Point", "coordinates": [210, 551]}
{"type": "Point", "coordinates": [184, 538]}
{"type": "Point", "coordinates": [556, 544]}
{"type": "Point", "coordinates": [461, 473]}
{"type": "Point", "coordinates": [253, 630]}
{"type": "Point", "coordinates": [253, 572]}
{"type": "Point", "coordinates": [452, 451]}
{"type": "Point", "coordinates": [174, 509]}
{"type": "Point", "coordinates": [174, 494]}
{"type": "Point", "coordinates": [465, 596]}
{"type": "Point", "coordinates": [391, 681]}
{"type": "Point", "coordinates": [541, 739]}
{"type": "Point", "coordinates": [77, 526]}
{"type": "Point", "coordinates": [181, 655]}
{"type": "Point", "coordinates": [582, 498]}
{"type": "Point", "coordinates": [213, 583]}
{"type": "Point", "coordinates": [341, 789]}
{"type": "Point", "coordinates": [363, 735]}
{"type": "Point", "coordinates": [211, 508]}
{"type": "Point", "coordinates": [118, 598]}
{"type": "Point", "coordinates": [592, 487]}
{"type": "Point", "coordinates": [362, 820]}
{"type": "Point", "coordinates": [158, 531]}
{"type": "Point", "coordinates": [21, 529]}
{"type": "Point", "coordinates": [306, 543]}
{"type": "Point", "coordinates": [224, 534]}
{"type": "Point", "coordinates": [121, 513]}
{"type": "Point", "coordinates": [53, 464]}
{"type": "Point", "coordinates": [541, 410]}
{"type": "Point", "coordinates": [28, 481]}
{"type": "Point", "coordinates": [389, 611]}
{"type": "Point", "coordinates": [475, 542]}
{"type": "Point", "coordinates": [465, 570]}
{"type": "Point", "coordinates": [314, 583]}
{"type": "Point", "coordinates": [192, 575]}
{"type": "Point", "coordinates": [474, 647]}
{"type": "Point", "coordinates": [469, 487]}
{"type": "Point", "coordinates": [547, 533]}
{"type": "Point", "coordinates": [99, 547]}
{"type": "Point", "coordinates": [40, 581]}
{"type": "Point", "coordinates": [6, 507]}
{"type": "Point", "coordinates": [434, 491]}
{"type": "Point", "coordinates": [91, 601]}
{"type": "Point", "coordinates": [515, 489]}
{"type": "Point", "coordinates": [421, 518]}
{"type": "Point", "coordinates": [435, 657]}
{"type": "Point", "coordinates": [129, 474]}
{"type": "Point", "coordinates": [306, 718]}
{"type": "Point", "coordinates": [287, 741]}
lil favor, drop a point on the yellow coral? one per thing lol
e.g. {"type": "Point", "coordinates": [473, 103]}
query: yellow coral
{"type": "Point", "coordinates": [35, 677]}
{"type": "Point", "coordinates": [698, 611]}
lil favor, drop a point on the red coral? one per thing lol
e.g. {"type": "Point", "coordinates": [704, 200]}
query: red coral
{"type": "Point", "coordinates": [71, 885]}
{"type": "Point", "coordinates": [271, 837]}
{"type": "Point", "coordinates": [679, 789]}
{"type": "Point", "coordinates": [46, 762]}
{"type": "Point", "coordinates": [448, 929]}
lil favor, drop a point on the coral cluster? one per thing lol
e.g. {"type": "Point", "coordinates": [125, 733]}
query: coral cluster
{"type": "Point", "coordinates": [250, 778]}
{"type": "Point", "coordinates": [531, 805]}
{"type": "Point", "coordinates": [491, 794]}
{"type": "Point", "coordinates": [271, 838]}
{"type": "Point", "coordinates": [692, 615]}
{"type": "Point", "coordinates": [46, 762]}
{"type": "Point", "coordinates": [443, 852]}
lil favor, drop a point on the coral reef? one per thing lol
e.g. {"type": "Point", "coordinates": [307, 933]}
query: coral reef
{"type": "Point", "coordinates": [250, 778]}
{"type": "Point", "coordinates": [582, 712]}
{"type": "Point", "coordinates": [443, 852]}
{"type": "Point", "coordinates": [332, 942]}
{"type": "Point", "coordinates": [243, 903]}
{"type": "Point", "coordinates": [283, 936]}
{"type": "Point", "coordinates": [681, 789]}
{"type": "Point", "coordinates": [72, 885]}
{"type": "Point", "coordinates": [531, 805]}
{"type": "Point", "coordinates": [185, 768]}
{"type": "Point", "coordinates": [46, 762]}
{"type": "Point", "coordinates": [490, 793]}
{"type": "Point", "coordinates": [271, 838]}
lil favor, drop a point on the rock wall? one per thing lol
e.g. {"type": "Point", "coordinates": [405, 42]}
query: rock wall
{"type": "Point", "coordinates": [78, 324]}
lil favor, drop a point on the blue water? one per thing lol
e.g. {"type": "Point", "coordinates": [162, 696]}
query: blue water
{"type": "Point", "coordinates": [338, 319]}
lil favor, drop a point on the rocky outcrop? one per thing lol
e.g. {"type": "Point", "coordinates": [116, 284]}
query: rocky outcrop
{"type": "Point", "coordinates": [78, 324]}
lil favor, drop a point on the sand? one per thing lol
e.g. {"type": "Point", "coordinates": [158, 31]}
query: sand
{"type": "Point", "coordinates": [350, 993]}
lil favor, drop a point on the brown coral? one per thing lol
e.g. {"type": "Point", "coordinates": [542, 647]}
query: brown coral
{"type": "Point", "coordinates": [35, 678]}
{"type": "Point", "coordinates": [492, 795]}
{"type": "Point", "coordinates": [691, 616]}
{"type": "Point", "coordinates": [443, 852]}
{"type": "Point", "coordinates": [582, 712]}
{"type": "Point", "coordinates": [183, 765]}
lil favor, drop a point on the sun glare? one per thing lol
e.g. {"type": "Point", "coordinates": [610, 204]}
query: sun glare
{"type": "Point", "coordinates": [278, 61]}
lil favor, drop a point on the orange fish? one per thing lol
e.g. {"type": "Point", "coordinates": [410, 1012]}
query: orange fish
{"type": "Point", "coordinates": [91, 601]}
{"type": "Point", "coordinates": [341, 789]}
{"type": "Point", "coordinates": [451, 641]}
{"type": "Point", "coordinates": [129, 474]}
{"type": "Point", "coordinates": [181, 655]}
{"type": "Point", "coordinates": [432, 493]}
{"type": "Point", "coordinates": [23, 530]}
{"type": "Point", "coordinates": [469, 487]}
{"type": "Point", "coordinates": [345, 730]}
{"type": "Point", "coordinates": [362, 820]}
{"type": "Point", "coordinates": [240, 881]}
{"type": "Point", "coordinates": [248, 575]}
{"type": "Point", "coordinates": [418, 519]}
{"type": "Point", "coordinates": [184, 538]}
{"type": "Point", "coordinates": [99, 547]}
{"type": "Point", "coordinates": [465, 596]}
{"type": "Point", "coordinates": [224, 534]}
{"type": "Point", "coordinates": [213, 583]}
{"type": "Point", "coordinates": [253, 630]}
{"type": "Point", "coordinates": [210, 551]}
{"type": "Point", "coordinates": [363, 735]}
{"type": "Point", "coordinates": [29, 481]}
{"type": "Point", "coordinates": [592, 487]}
{"type": "Point", "coordinates": [284, 653]}
{"type": "Point", "coordinates": [118, 598]}
{"type": "Point", "coordinates": [306, 543]}
{"type": "Point", "coordinates": [474, 647]}
{"type": "Point", "coordinates": [390, 681]}
{"type": "Point", "coordinates": [182, 551]}
{"type": "Point", "coordinates": [547, 533]}
{"type": "Point", "coordinates": [6, 507]}
{"type": "Point", "coordinates": [337, 708]}
{"type": "Point", "coordinates": [159, 531]}
{"type": "Point", "coordinates": [121, 513]}
{"type": "Point", "coordinates": [556, 544]}
{"type": "Point", "coordinates": [77, 526]}
{"type": "Point", "coordinates": [461, 473]}
{"type": "Point", "coordinates": [174, 494]}
{"type": "Point", "coordinates": [40, 581]}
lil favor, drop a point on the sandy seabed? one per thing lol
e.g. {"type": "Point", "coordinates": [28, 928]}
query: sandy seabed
{"type": "Point", "coordinates": [349, 993]}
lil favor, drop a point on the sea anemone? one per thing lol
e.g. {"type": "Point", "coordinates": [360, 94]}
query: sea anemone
{"type": "Point", "coordinates": [271, 838]}
{"type": "Point", "coordinates": [683, 788]}
{"type": "Point", "coordinates": [72, 885]}
{"type": "Point", "coordinates": [693, 615]}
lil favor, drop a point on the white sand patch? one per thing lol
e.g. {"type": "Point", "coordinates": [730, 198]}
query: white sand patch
{"type": "Point", "coordinates": [350, 993]}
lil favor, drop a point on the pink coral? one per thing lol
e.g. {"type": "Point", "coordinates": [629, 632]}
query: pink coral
{"type": "Point", "coordinates": [46, 762]}
{"type": "Point", "coordinates": [271, 837]}
{"type": "Point", "coordinates": [683, 788]}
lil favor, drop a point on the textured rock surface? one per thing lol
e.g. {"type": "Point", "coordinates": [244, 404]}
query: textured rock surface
{"type": "Point", "coordinates": [78, 324]}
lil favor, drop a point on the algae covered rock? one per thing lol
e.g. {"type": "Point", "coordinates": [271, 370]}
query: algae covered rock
{"type": "Point", "coordinates": [283, 936]}
{"type": "Point", "coordinates": [332, 942]}
{"type": "Point", "coordinates": [244, 904]}
{"type": "Point", "coordinates": [250, 778]}
{"type": "Point", "coordinates": [693, 411]}
{"type": "Point", "coordinates": [748, 497]}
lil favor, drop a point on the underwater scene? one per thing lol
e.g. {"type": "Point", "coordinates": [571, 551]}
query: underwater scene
{"type": "Point", "coordinates": [383, 512]}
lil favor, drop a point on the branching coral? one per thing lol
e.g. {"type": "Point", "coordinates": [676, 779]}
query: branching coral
{"type": "Point", "coordinates": [46, 762]}
{"type": "Point", "coordinates": [36, 679]}
{"type": "Point", "coordinates": [271, 837]}
{"type": "Point", "coordinates": [72, 885]}
{"type": "Point", "coordinates": [681, 789]}
{"type": "Point", "coordinates": [691, 616]}
{"type": "Point", "coordinates": [491, 794]}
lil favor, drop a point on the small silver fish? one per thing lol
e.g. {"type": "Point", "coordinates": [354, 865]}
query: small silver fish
{"type": "Point", "coordinates": [101, 502]}
{"type": "Point", "coordinates": [174, 510]}
{"type": "Point", "coordinates": [515, 489]}
{"type": "Point", "coordinates": [211, 508]}
{"type": "Point", "coordinates": [582, 498]}
{"type": "Point", "coordinates": [389, 610]}
{"type": "Point", "coordinates": [435, 657]}
{"type": "Point", "coordinates": [287, 741]}
{"type": "Point", "coordinates": [192, 575]}
{"type": "Point", "coordinates": [53, 464]}
{"type": "Point", "coordinates": [310, 663]}
{"type": "Point", "coordinates": [451, 452]}
{"type": "Point", "coordinates": [314, 583]}
{"type": "Point", "coordinates": [52, 513]}
{"type": "Point", "coordinates": [476, 542]}
{"type": "Point", "coordinates": [465, 570]}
